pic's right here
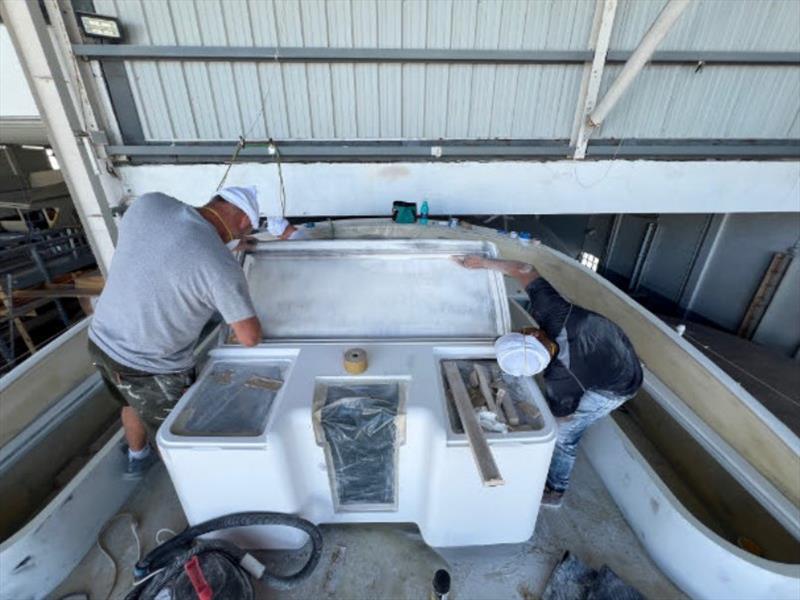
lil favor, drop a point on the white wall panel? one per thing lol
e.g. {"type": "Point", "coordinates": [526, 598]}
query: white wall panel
{"type": "Point", "coordinates": [500, 187]}
{"type": "Point", "coordinates": [16, 99]}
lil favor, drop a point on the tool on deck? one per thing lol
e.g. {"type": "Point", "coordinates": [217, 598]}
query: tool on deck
{"type": "Point", "coordinates": [187, 568]}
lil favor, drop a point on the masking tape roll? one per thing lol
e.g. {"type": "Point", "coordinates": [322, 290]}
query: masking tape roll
{"type": "Point", "coordinates": [355, 361]}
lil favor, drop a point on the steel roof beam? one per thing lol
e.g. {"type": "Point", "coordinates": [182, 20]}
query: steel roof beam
{"type": "Point", "coordinates": [468, 150]}
{"type": "Point", "coordinates": [422, 55]}
{"type": "Point", "coordinates": [605, 13]}
{"type": "Point", "coordinates": [643, 53]}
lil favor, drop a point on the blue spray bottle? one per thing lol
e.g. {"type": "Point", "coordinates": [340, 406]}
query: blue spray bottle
{"type": "Point", "coordinates": [423, 213]}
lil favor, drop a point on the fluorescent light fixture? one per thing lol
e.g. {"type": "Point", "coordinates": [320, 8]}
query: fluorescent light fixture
{"type": "Point", "coordinates": [99, 26]}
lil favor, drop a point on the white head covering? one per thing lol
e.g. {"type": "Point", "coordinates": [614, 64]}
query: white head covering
{"type": "Point", "coordinates": [519, 354]}
{"type": "Point", "coordinates": [243, 198]}
{"type": "Point", "coordinates": [277, 225]}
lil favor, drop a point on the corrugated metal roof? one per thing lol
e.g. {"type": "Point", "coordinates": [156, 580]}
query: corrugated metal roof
{"type": "Point", "coordinates": [353, 101]}
{"type": "Point", "coordinates": [215, 100]}
{"type": "Point", "coordinates": [713, 102]}
{"type": "Point", "coordinates": [466, 24]}
{"type": "Point", "coordinates": [756, 25]}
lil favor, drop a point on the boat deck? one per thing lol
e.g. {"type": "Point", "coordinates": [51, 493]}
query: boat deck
{"type": "Point", "coordinates": [386, 561]}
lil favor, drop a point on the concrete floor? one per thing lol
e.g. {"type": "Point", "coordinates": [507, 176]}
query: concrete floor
{"type": "Point", "coordinates": [383, 561]}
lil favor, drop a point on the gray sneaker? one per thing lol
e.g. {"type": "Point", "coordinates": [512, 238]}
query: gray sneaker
{"type": "Point", "coordinates": [552, 498]}
{"type": "Point", "coordinates": [137, 467]}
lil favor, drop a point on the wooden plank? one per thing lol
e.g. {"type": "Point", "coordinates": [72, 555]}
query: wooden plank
{"type": "Point", "coordinates": [766, 291]}
{"type": "Point", "coordinates": [23, 331]}
{"type": "Point", "coordinates": [487, 468]}
{"type": "Point", "coordinates": [22, 310]}
{"type": "Point", "coordinates": [483, 384]}
{"type": "Point", "coordinates": [91, 280]}
{"type": "Point", "coordinates": [504, 400]}
{"type": "Point", "coordinates": [54, 293]}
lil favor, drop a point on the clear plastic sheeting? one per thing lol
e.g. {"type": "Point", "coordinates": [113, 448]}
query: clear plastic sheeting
{"type": "Point", "coordinates": [359, 425]}
{"type": "Point", "coordinates": [231, 400]}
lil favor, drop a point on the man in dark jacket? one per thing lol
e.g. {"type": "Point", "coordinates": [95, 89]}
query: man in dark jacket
{"type": "Point", "coordinates": [590, 366]}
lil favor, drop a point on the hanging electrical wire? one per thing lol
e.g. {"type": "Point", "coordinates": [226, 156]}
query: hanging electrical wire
{"type": "Point", "coordinates": [271, 145]}
{"type": "Point", "coordinates": [235, 155]}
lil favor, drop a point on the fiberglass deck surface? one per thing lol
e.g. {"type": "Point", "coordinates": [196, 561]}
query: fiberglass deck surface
{"type": "Point", "coordinates": [392, 562]}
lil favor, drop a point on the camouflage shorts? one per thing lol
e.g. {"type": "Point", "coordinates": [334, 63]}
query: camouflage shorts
{"type": "Point", "coordinates": [151, 395]}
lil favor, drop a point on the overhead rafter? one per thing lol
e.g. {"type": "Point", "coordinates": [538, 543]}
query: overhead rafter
{"type": "Point", "coordinates": [590, 85]}
{"type": "Point", "coordinates": [641, 55]}
{"type": "Point", "coordinates": [370, 150]}
{"type": "Point", "coordinates": [423, 55]}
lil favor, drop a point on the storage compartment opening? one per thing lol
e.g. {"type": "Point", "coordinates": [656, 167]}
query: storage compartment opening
{"type": "Point", "coordinates": [515, 392]}
{"type": "Point", "coordinates": [231, 400]}
{"type": "Point", "coordinates": [357, 423]}
{"type": "Point", "coordinates": [701, 484]}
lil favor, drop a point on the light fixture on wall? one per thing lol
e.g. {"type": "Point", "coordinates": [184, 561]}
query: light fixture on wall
{"type": "Point", "coordinates": [590, 260]}
{"type": "Point", "coordinates": [100, 26]}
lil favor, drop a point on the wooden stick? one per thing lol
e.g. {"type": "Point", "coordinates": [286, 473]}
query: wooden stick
{"type": "Point", "coordinates": [54, 293]}
{"type": "Point", "coordinates": [23, 332]}
{"type": "Point", "coordinates": [473, 379]}
{"type": "Point", "coordinates": [483, 382]}
{"type": "Point", "coordinates": [504, 399]}
{"type": "Point", "coordinates": [487, 468]}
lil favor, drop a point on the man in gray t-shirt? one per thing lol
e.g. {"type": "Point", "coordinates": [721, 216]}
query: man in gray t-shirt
{"type": "Point", "coordinates": [173, 268]}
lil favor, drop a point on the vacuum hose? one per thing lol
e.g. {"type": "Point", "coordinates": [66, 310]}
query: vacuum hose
{"type": "Point", "coordinates": [223, 560]}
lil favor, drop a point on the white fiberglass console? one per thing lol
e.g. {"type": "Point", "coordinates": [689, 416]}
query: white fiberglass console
{"type": "Point", "coordinates": [284, 427]}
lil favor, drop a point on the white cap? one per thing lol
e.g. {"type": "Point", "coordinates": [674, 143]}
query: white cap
{"type": "Point", "coordinates": [519, 354]}
{"type": "Point", "coordinates": [277, 225]}
{"type": "Point", "coordinates": [243, 198]}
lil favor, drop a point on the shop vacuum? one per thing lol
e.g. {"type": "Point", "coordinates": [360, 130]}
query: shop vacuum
{"type": "Point", "coordinates": [188, 568]}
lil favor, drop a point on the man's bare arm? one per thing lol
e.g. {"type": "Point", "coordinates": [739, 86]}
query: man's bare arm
{"type": "Point", "coordinates": [524, 273]}
{"type": "Point", "coordinates": [247, 331]}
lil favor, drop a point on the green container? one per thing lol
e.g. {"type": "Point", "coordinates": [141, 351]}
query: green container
{"type": "Point", "coordinates": [404, 212]}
